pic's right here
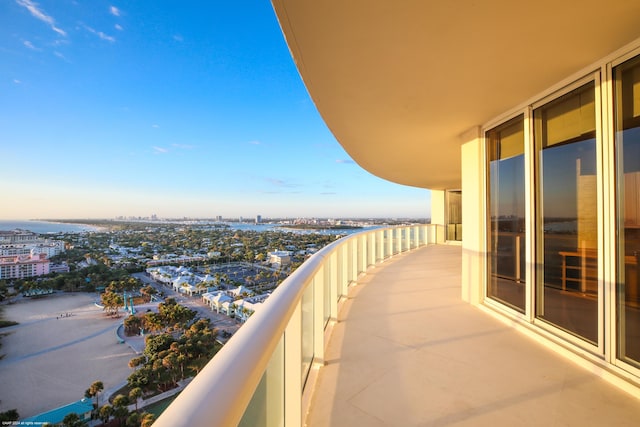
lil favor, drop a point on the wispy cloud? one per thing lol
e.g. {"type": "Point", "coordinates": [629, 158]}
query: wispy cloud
{"type": "Point", "coordinates": [178, 38]}
{"type": "Point", "coordinates": [100, 34]}
{"type": "Point", "coordinates": [184, 146]}
{"type": "Point", "coordinates": [275, 181]}
{"type": "Point", "coordinates": [30, 45]}
{"type": "Point", "coordinates": [160, 150]}
{"type": "Point", "coordinates": [255, 142]}
{"type": "Point", "coordinates": [345, 161]}
{"type": "Point", "coordinates": [114, 11]}
{"type": "Point", "coordinates": [38, 13]}
{"type": "Point", "coordinates": [16, 81]}
{"type": "Point", "coordinates": [280, 183]}
{"type": "Point", "coordinates": [59, 55]}
{"type": "Point", "coordinates": [155, 126]}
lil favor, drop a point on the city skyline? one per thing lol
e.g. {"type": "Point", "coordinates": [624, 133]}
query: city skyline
{"type": "Point", "coordinates": [131, 110]}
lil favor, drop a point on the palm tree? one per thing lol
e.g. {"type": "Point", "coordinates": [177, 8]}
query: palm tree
{"type": "Point", "coordinates": [72, 420]}
{"type": "Point", "coordinates": [120, 409]}
{"type": "Point", "coordinates": [133, 420]}
{"type": "Point", "coordinates": [93, 391]}
{"type": "Point", "coordinates": [147, 419]}
{"type": "Point", "coordinates": [105, 413]}
{"type": "Point", "coordinates": [134, 395]}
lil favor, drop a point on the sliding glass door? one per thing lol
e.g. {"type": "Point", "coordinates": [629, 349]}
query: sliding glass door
{"type": "Point", "coordinates": [567, 214]}
{"type": "Point", "coordinates": [506, 204]}
{"type": "Point", "coordinates": [627, 143]}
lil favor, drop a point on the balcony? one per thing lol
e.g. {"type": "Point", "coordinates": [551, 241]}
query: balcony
{"type": "Point", "coordinates": [396, 346]}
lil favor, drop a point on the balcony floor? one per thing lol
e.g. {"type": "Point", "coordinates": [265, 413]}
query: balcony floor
{"type": "Point", "coordinates": [407, 351]}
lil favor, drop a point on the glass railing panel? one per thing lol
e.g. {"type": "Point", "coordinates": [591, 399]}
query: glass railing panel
{"type": "Point", "coordinates": [307, 331]}
{"type": "Point", "coordinates": [309, 297]}
{"type": "Point", "coordinates": [328, 293]}
{"type": "Point", "coordinates": [348, 248]}
{"type": "Point", "coordinates": [266, 407]}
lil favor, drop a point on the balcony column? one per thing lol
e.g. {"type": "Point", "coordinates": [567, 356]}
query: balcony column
{"type": "Point", "coordinates": [438, 214]}
{"type": "Point", "coordinates": [473, 216]}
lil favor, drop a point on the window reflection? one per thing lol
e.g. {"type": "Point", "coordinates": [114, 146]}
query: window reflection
{"type": "Point", "coordinates": [506, 214]}
{"type": "Point", "coordinates": [627, 104]}
{"type": "Point", "coordinates": [454, 215]}
{"type": "Point", "coordinates": [567, 290]}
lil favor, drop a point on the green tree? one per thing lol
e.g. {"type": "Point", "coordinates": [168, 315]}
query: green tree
{"type": "Point", "coordinates": [141, 378]}
{"type": "Point", "coordinates": [94, 390]}
{"type": "Point", "coordinates": [152, 322]}
{"type": "Point", "coordinates": [105, 412]}
{"type": "Point", "coordinates": [132, 325]}
{"type": "Point", "coordinates": [157, 343]}
{"type": "Point", "coordinates": [147, 292]}
{"type": "Point", "coordinates": [133, 420]}
{"type": "Point", "coordinates": [7, 416]}
{"type": "Point", "coordinates": [135, 394]}
{"type": "Point", "coordinates": [111, 302]}
{"type": "Point", "coordinates": [72, 420]}
{"type": "Point", "coordinates": [120, 410]}
{"type": "Point", "coordinates": [147, 419]}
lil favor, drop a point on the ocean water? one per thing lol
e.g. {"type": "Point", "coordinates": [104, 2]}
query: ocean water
{"type": "Point", "coordinates": [45, 227]}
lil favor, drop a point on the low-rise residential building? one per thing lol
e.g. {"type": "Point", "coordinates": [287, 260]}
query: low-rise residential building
{"type": "Point", "coordinates": [279, 259]}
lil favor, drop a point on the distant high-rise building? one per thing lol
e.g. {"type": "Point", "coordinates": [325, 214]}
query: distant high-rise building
{"type": "Point", "coordinates": [258, 219]}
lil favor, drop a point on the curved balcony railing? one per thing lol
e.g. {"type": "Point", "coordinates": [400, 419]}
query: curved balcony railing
{"type": "Point", "coordinates": [264, 375]}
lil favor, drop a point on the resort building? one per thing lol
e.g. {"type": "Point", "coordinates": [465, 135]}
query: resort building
{"type": "Point", "coordinates": [23, 266]}
{"type": "Point", "coordinates": [524, 122]}
{"type": "Point", "coordinates": [20, 242]}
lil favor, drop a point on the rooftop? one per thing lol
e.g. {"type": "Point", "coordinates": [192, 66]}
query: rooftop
{"type": "Point", "coordinates": [408, 351]}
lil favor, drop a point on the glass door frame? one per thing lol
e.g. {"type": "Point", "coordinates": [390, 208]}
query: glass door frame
{"type": "Point", "coordinates": [599, 347]}
{"type": "Point", "coordinates": [615, 222]}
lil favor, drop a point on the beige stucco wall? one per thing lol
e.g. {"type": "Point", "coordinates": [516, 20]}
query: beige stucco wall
{"type": "Point", "coordinates": [473, 254]}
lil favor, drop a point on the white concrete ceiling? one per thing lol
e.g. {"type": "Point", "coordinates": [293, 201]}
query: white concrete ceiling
{"type": "Point", "coordinates": [398, 81]}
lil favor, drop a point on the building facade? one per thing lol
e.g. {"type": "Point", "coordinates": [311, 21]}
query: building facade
{"type": "Point", "coordinates": [23, 266]}
{"type": "Point", "coordinates": [526, 129]}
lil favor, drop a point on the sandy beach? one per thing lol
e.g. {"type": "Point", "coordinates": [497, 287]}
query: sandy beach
{"type": "Point", "coordinates": [62, 344]}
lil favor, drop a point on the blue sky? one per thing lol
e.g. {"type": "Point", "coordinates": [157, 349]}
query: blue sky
{"type": "Point", "coordinates": [180, 109]}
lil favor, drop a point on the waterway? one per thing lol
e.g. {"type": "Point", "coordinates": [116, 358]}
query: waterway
{"type": "Point", "coordinates": [45, 227]}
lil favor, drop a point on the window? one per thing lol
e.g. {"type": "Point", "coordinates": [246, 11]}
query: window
{"type": "Point", "coordinates": [567, 214]}
{"type": "Point", "coordinates": [454, 215]}
{"type": "Point", "coordinates": [506, 204]}
{"type": "Point", "coordinates": [627, 146]}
